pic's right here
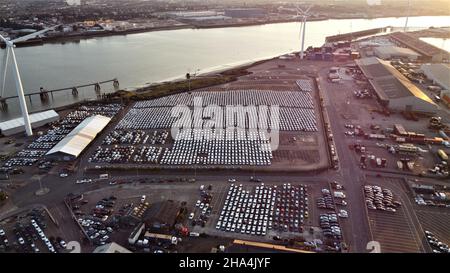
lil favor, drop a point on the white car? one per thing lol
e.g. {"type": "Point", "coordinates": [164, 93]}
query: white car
{"type": "Point", "coordinates": [143, 198]}
{"type": "Point", "coordinates": [63, 244]}
{"type": "Point", "coordinates": [191, 216]}
{"type": "Point", "coordinates": [343, 213]}
{"type": "Point", "coordinates": [2, 232]}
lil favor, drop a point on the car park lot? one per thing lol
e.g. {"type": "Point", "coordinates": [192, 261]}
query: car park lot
{"type": "Point", "coordinates": [31, 231]}
{"type": "Point", "coordinates": [436, 222]}
{"type": "Point", "coordinates": [277, 208]}
{"type": "Point", "coordinates": [398, 231]}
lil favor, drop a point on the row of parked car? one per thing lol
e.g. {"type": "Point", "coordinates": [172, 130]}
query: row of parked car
{"type": "Point", "coordinates": [247, 213]}
{"type": "Point", "coordinates": [436, 245]}
{"type": "Point", "coordinates": [203, 207]}
{"type": "Point", "coordinates": [330, 226]}
{"type": "Point", "coordinates": [29, 232]}
{"type": "Point", "coordinates": [96, 224]}
{"type": "Point", "coordinates": [291, 207]}
{"type": "Point", "coordinates": [135, 137]}
{"type": "Point", "coordinates": [378, 198]}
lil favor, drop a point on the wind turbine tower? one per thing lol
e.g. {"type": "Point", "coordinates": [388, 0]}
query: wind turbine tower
{"type": "Point", "coordinates": [407, 15]}
{"type": "Point", "coordinates": [9, 51]}
{"type": "Point", "coordinates": [304, 15]}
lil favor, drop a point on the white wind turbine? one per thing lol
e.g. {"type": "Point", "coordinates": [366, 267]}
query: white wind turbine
{"type": "Point", "coordinates": [407, 16]}
{"type": "Point", "coordinates": [304, 15]}
{"type": "Point", "coordinates": [9, 50]}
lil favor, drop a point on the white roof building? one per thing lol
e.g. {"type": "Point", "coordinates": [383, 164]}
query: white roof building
{"type": "Point", "coordinates": [111, 248]}
{"type": "Point", "coordinates": [439, 73]}
{"type": "Point", "coordinates": [76, 141]}
{"type": "Point", "coordinates": [16, 125]}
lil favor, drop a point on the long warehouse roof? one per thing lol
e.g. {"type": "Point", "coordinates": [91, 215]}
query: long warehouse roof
{"type": "Point", "coordinates": [36, 117]}
{"type": "Point", "coordinates": [388, 82]}
{"type": "Point", "coordinates": [416, 44]}
{"type": "Point", "coordinates": [80, 137]}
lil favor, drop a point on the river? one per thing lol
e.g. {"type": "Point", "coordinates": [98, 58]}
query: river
{"type": "Point", "coordinates": [137, 59]}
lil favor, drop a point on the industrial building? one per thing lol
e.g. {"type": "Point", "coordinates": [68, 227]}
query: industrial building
{"type": "Point", "coordinates": [392, 52]}
{"type": "Point", "coordinates": [71, 146]}
{"type": "Point", "coordinates": [245, 13]}
{"type": "Point", "coordinates": [15, 126]}
{"type": "Point", "coordinates": [438, 73]}
{"type": "Point", "coordinates": [429, 52]}
{"type": "Point", "coordinates": [394, 90]}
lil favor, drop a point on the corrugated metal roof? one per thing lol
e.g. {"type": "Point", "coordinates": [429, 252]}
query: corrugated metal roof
{"type": "Point", "coordinates": [395, 50]}
{"type": "Point", "coordinates": [80, 137]}
{"type": "Point", "coordinates": [36, 117]}
{"type": "Point", "coordinates": [388, 82]}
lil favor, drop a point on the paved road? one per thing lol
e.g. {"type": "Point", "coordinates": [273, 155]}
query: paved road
{"type": "Point", "coordinates": [350, 175]}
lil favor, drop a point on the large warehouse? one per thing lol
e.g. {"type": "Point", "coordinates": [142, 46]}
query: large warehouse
{"type": "Point", "coordinates": [393, 89]}
{"type": "Point", "coordinates": [391, 52]}
{"type": "Point", "coordinates": [15, 126]}
{"type": "Point", "coordinates": [428, 52]}
{"type": "Point", "coordinates": [71, 146]}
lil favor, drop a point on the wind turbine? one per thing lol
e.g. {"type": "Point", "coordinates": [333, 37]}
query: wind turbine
{"type": "Point", "coordinates": [9, 50]}
{"type": "Point", "coordinates": [304, 15]}
{"type": "Point", "coordinates": [407, 16]}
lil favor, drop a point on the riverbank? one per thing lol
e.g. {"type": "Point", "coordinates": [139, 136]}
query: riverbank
{"type": "Point", "coordinates": [97, 34]}
{"type": "Point", "coordinates": [180, 85]}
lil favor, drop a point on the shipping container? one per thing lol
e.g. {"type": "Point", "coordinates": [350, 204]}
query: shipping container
{"type": "Point", "coordinates": [443, 155]}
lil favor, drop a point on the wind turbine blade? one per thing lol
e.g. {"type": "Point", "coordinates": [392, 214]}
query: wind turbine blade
{"type": "Point", "coordinates": [31, 36]}
{"type": "Point", "coordinates": [306, 11]}
{"type": "Point", "coordinates": [4, 69]}
{"type": "Point", "coordinates": [3, 39]}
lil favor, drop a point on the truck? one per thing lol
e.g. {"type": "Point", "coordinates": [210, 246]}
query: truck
{"type": "Point", "coordinates": [444, 135]}
{"type": "Point", "coordinates": [103, 176]}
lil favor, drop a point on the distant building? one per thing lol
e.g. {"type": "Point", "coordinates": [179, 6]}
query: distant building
{"type": "Point", "coordinates": [394, 90]}
{"type": "Point", "coordinates": [189, 14]}
{"type": "Point", "coordinates": [111, 248]}
{"type": "Point", "coordinates": [15, 126]}
{"type": "Point", "coordinates": [71, 146]}
{"type": "Point", "coordinates": [245, 13]}
{"type": "Point", "coordinates": [392, 52]}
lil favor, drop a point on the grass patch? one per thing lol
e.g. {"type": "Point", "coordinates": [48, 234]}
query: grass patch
{"type": "Point", "coordinates": [174, 87]}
